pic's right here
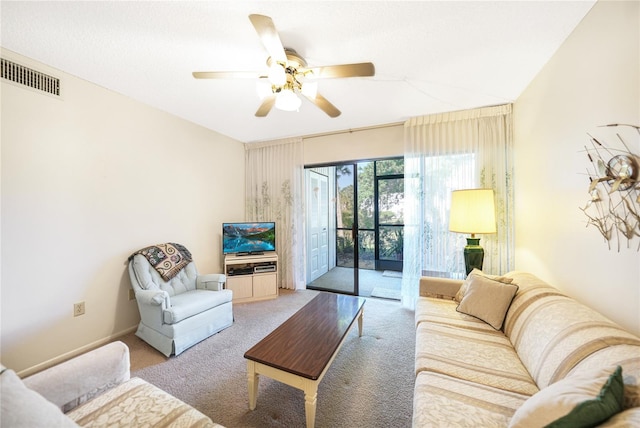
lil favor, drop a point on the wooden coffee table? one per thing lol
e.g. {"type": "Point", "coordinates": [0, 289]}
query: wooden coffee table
{"type": "Point", "coordinates": [300, 351]}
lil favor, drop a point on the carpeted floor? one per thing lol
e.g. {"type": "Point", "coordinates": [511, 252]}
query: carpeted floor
{"type": "Point", "coordinates": [369, 384]}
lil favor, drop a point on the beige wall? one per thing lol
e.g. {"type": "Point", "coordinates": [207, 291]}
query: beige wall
{"type": "Point", "coordinates": [86, 180]}
{"type": "Point", "coordinates": [592, 80]}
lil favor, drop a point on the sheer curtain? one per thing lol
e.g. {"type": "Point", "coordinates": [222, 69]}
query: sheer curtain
{"type": "Point", "coordinates": [446, 152]}
{"type": "Point", "coordinates": [274, 183]}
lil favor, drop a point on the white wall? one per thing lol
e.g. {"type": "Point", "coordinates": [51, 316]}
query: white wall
{"type": "Point", "coordinates": [87, 180]}
{"type": "Point", "coordinates": [592, 80]}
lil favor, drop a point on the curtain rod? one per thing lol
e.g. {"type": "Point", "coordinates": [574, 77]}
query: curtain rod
{"type": "Point", "coordinates": [349, 131]}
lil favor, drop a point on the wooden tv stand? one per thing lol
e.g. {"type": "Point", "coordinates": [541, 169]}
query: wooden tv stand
{"type": "Point", "coordinates": [252, 277]}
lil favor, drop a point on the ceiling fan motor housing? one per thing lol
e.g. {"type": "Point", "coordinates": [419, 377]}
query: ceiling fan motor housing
{"type": "Point", "coordinates": [294, 60]}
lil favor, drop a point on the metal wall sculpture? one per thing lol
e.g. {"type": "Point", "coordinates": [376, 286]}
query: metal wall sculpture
{"type": "Point", "coordinates": [614, 189]}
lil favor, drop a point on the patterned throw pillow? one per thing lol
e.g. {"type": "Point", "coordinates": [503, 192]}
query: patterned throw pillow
{"type": "Point", "coordinates": [577, 401]}
{"type": "Point", "coordinates": [465, 284]}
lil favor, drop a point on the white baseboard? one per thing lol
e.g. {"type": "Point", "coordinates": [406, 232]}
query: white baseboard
{"type": "Point", "coordinates": [68, 355]}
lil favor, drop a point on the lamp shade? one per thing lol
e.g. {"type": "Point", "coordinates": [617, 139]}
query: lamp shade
{"type": "Point", "coordinates": [277, 76]}
{"type": "Point", "coordinates": [287, 100]}
{"type": "Point", "coordinates": [264, 89]}
{"type": "Point", "coordinates": [472, 211]}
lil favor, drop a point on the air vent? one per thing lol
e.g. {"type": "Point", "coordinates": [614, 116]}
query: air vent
{"type": "Point", "coordinates": [28, 77]}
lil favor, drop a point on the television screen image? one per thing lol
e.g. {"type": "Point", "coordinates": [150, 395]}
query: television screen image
{"type": "Point", "coordinates": [249, 238]}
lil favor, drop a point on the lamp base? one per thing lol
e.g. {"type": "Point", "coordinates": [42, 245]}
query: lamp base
{"type": "Point", "coordinates": [473, 255]}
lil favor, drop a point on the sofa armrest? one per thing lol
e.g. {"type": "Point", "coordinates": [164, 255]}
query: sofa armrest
{"type": "Point", "coordinates": [445, 288]}
{"type": "Point", "coordinates": [152, 304]}
{"type": "Point", "coordinates": [73, 382]}
{"type": "Point", "coordinates": [153, 298]}
{"type": "Point", "coordinates": [212, 281]}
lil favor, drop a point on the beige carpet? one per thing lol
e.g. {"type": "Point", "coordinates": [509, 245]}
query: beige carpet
{"type": "Point", "coordinates": [369, 384]}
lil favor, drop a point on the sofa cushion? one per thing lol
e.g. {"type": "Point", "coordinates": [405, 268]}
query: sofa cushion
{"type": "Point", "coordinates": [22, 407]}
{"type": "Point", "coordinates": [482, 356]}
{"type": "Point", "coordinates": [445, 401]}
{"type": "Point", "coordinates": [552, 333]}
{"type": "Point", "coordinates": [477, 272]}
{"type": "Point", "coordinates": [487, 300]}
{"type": "Point", "coordinates": [576, 401]}
{"type": "Point", "coordinates": [532, 291]}
{"type": "Point", "coordinates": [193, 302]}
{"type": "Point", "coordinates": [138, 403]}
{"type": "Point", "coordinates": [444, 312]}
{"type": "Point", "coordinates": [625, 419]}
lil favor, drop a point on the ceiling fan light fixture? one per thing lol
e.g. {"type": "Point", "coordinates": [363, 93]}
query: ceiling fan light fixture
{"type": "Point", "coordinates": [287, 74]}
{"type": "Point", "coordinates": [264, 89]}
{"type": "Point", "coordinates": [287, 100]}
{"type": "Point", "coordinates": [277, 76]}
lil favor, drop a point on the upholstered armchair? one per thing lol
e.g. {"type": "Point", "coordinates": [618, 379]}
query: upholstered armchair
{"type": "Point", "coordinates": [178, 307]}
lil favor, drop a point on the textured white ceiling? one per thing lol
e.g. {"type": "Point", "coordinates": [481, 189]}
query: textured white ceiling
{"type": "Point", "coordinates": [430, 56]}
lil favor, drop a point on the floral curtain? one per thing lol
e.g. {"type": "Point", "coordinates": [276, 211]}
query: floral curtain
{"type": "Point", "coordinates": [446, 152]}
{"type": "Point", "coordinates": [274, 183]}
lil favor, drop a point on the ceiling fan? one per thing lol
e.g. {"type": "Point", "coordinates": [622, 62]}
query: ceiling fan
{"type": "Point", "coordinates": [288, 76]}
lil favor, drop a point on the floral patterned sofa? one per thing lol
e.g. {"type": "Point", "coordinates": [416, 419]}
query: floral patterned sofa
{"type": "Point", "coordinates": [512, 351]}
{"type": "Point", "coordinates": [93, 389]}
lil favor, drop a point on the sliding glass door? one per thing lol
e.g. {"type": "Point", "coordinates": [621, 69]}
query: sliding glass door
{"type": "Point", "coordinates": [363, 213]}
{"type": "Point", "coordinates": [331, 219]}
{"type": "Point", "coordinates": [389, 196]}
{"type": "Point", "coordinates": [347, 248]}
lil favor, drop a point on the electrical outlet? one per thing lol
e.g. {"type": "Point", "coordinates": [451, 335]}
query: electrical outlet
{"type": "Point", "coordinates": [132, 294]}
{"type": "Point", "coordinates": [78, 309]}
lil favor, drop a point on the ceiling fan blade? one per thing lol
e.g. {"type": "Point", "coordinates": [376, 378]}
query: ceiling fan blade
{"type": "Point", "coordinates": [323, 104]}
{"type": "Point", "coordinates": [361, 69]}
{"type": "Point", "coordinates": [226, 75]}
{"type": "Point", "coordinates": [266, 106]}
{"type": "Point", "coordinates": [270, 39]}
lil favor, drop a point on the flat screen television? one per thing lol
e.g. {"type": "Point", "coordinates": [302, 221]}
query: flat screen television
{"type": "Point", "coordinates": [248, 238]}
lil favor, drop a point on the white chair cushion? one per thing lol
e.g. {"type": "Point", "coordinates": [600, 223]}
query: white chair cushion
{"type": "Point", "coordinates": [191, 303]}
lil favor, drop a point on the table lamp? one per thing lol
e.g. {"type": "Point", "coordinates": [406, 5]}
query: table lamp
{"type": "Point", "coordinates": [472, 211]}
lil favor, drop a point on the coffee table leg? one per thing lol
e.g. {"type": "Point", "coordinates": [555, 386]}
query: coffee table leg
{"type": "Point", "coordinates": [310, 401]}
{"type": "Point", "coordinates": [253, 384]}
{"type": "Point", "coordinates": [360, 322]}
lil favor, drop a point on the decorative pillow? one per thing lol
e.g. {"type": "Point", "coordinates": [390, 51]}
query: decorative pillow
{"type": "Point", "coordinates": [465, 284]}
{"type": "Point", "coordinates": [578, 401]}
{"type": "Point", "coordinates": [22, 407]}
{"type": "Point", "coordinates": [487, 300]}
